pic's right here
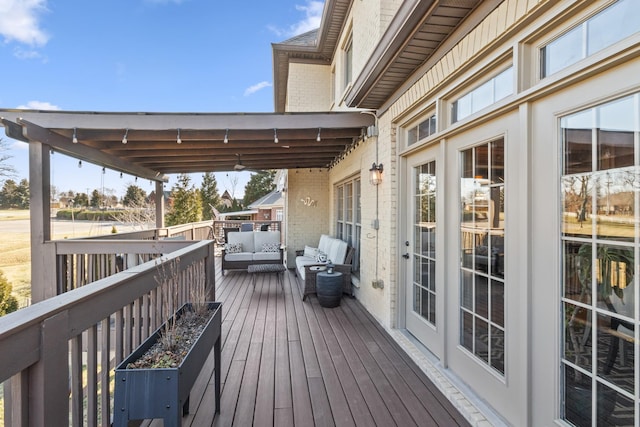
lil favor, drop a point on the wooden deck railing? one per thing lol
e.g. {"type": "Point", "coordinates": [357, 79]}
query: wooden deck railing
{"type": "Point", "coordinates": [58, 355]}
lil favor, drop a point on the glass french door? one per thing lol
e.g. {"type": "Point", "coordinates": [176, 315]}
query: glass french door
{"type": "Point", "coordinates": [423, 300]}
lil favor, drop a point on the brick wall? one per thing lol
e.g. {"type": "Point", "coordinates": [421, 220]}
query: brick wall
{"type": "Point", "coordinates": [308, 209]}
{"type": "Point", "coordinates": [308, 87]}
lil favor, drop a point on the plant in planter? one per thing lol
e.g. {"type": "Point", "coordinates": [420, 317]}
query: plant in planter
{"type": "Point", "coordinates": [155, 380]}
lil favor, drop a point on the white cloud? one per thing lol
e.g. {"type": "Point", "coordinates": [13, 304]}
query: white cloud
{"type": "Point", "coordinates": [19, 21]}
{"type": "Point", "coordinates": [253, 89]}
{"type": "Point", "coordinates": [313, 14]}
{"type": "Point", "coordinates": [38, 105]}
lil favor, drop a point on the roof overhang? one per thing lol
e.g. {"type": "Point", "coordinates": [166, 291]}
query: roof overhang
{"type": "Point", "coordinates": [152, 150]}
{"type": "Point", "coordinates": [419, 35]}
{"type": "Point", "coordinates": [317, 46]}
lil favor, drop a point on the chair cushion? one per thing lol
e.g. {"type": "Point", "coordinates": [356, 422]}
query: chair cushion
{"type": "Point", "coordinates": [242, 256]}
{"type": "Point", "coordinates": [323, 244]}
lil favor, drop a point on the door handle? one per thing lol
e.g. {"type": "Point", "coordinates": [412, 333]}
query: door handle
{"type": "Point", "coordinates": [405, 256]}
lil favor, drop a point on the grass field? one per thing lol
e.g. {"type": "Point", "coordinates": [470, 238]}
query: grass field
{"type": "Point", "coordinates": [15, 256]}
{"type": "Point", "coordinates": [15, 246]}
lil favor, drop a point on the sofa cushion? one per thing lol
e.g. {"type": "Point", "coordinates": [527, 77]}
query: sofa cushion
{"type": "Point", "coordinates": [323, 244]}
{"type": "Point", "coordinates": [310, 252]}
{"type": "Point", "coordinates": [301, 261]}
{"type": "Point", "coordinates": [266, 256]}
{"type": "Point", "coordinates": [271, 247]}
{"type": "Point", "coordinates": [244, 237]}
{"type": "Point", "coordinates": [233, 248]}
{"type": "Point", "coordinates": [241, 256]}
{"type": "Point", "coordinates": [337, 251]}
{"type": "Point", "coordinates": [262, 237]}
{"type": "Point", "coordinates": [321, 257]}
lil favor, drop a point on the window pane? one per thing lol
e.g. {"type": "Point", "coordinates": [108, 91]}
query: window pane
{"type": "Point", "coordinates": [482, 96]}
{"type": "Point", "coordinates": [503, 84]}
{"type": "Point", "coordinates": [616, 204]}
{"type": "Point", "coordinates": [497, 302]}
{"type": "Point", "coordinates": [577, 205]}
{"type": "Point", "coordinates": [616, 353]}
{"type": "Point", "coordinates": [577, 397]}
{"type": "Point", "coordinates": [423, 129]}
{"type": "Point", "coordinates": [412, 135]}
{"type": "Point", "coordinates": [613, 24]}
{"type": "Point", "coordinates": [577, 340]}
{"type": "Point", "coordinates": [615, 134]}
{"type": "Point", "coordinates": [497, 349]}
{"type": "Point", "coordinates": [564, 51]}
{"type": "Point", "coordinates": [497, 161]}
{"type": "Point", "coordinates": [463, 107]}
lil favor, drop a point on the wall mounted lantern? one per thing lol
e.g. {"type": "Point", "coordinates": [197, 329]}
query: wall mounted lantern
{"type": "Point", "coordinates": [375, 174]}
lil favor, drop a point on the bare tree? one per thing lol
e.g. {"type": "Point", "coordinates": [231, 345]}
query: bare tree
{"type": "Point", "coordinates": [6, 170]}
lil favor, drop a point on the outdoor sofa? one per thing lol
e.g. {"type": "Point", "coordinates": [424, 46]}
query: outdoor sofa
{"type": "Point", "coordinates": [312, 260]}
{"type": "Point", "coordinates": [244, 248]}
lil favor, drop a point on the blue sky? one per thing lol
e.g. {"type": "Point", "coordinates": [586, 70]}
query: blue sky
{"type": "Point", "coordinates": [141, 55]}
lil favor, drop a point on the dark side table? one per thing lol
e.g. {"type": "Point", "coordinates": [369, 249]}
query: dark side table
{"type": "Point", "coordinates": [329, 288]}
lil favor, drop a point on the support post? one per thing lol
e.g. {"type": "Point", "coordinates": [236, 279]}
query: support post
{"type": "Point", "coordinates": [43, 280]}
{"type": "Point", "coordinates": [159, 204]}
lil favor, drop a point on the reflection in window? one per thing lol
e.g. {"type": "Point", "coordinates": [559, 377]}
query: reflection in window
{"type": "Point", "coordinates": [484, 95]}
{"type": "Point", "coordinates": [482, 258]}
{"type": "Point", "coordinates": [348, 214]}
{"type": "Point", "coordinates": [422, 130]}
{"type": "Point", "coordinates": [599, 241]}
{"type": "Point", "coordinates": [424, 280]}
{"type": "Point", "coordinates": [613, 24]}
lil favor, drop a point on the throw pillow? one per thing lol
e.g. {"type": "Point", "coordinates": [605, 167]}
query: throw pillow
{"type": "Point", "coordinates": [233, 248]}
{"type": "Point", "coordinates": [310, 252]}
{"type": "Point", "coordinates": [270, 247]}
{"type": "Point", "coordinates": [321, 257]}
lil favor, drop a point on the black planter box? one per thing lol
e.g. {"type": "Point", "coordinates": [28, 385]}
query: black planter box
{"type": "Point", "coordinates": [164, 392]}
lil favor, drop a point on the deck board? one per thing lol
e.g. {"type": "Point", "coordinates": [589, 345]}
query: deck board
{"type": "Point", "coordinates": [291, 363]}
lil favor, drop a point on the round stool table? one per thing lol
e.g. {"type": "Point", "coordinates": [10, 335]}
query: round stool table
{"type": "Point", "coordinates": [329, 288]}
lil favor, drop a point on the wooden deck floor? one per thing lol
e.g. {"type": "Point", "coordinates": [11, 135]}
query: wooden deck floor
{"type": "Point", "coordinates": [289, 363]}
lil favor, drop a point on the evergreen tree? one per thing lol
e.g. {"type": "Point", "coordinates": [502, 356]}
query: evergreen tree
{"type": "Point", "coordinates": [8, 194]}
{"type": "Point", "coordinates": [8, 303]}
{"type": "Point", "coordinates": [96, 199]}
{"type": "Point", "coordinates": [22, 194]}
{"type": "Point", "coordinates": [81, 200]}
{"type": "Point", "coordinates": [209, 194]}
{"type": "Point", "coordinates": [134, 197]}
{"type": "Point", "coordinates": [260, 184]}
{"type": "Point", "coordinates": [187, 203]}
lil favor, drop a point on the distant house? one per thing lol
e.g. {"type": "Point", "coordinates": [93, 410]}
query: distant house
{"type": "Point", "coordinates": [226, 199]}
{"type": "Point", "coordinates": [269, 207]}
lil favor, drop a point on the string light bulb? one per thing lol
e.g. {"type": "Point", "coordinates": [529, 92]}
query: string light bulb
{"type": "Point", "coordinates": [318, 139]}
{"type": "Point", "coordinates": [179, 140]}
{"type": "Point", "coordinates": [124, 138]}
{"type": "Point", "coordinates": [226, 136]}
{"type": "Point", "coordinates": [104, 170]}
{"type": "Point", "coordinates": [74, 139]}
{"type": "Point", "coordinates": [275, 135]}
{"type": "Point", "coordinates": [80, 164]}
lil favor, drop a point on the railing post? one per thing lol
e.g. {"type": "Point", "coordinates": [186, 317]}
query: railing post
{"type": "Point", "coordinates": [49, 377]}
{"type": "Point", "coordinates": [16, 400]}
{"type": "Point", "coordinates": [210, 272]}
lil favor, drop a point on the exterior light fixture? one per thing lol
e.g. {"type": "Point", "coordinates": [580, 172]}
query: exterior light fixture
{"type": "Point", "coordinates": [375, 174]}
{"type": "Point", "coordinates": [226, 136]}
{"type": "Point", "coordinates": [124, 138]}
{"type": "Point", "coordinates": [275, 135]}
{"type": "Point", "coordinates": [178, 140]}
{"type": "Point", "coordinates": [318, 139]}
{"type": "Point", "coordinates": [74, 139]}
